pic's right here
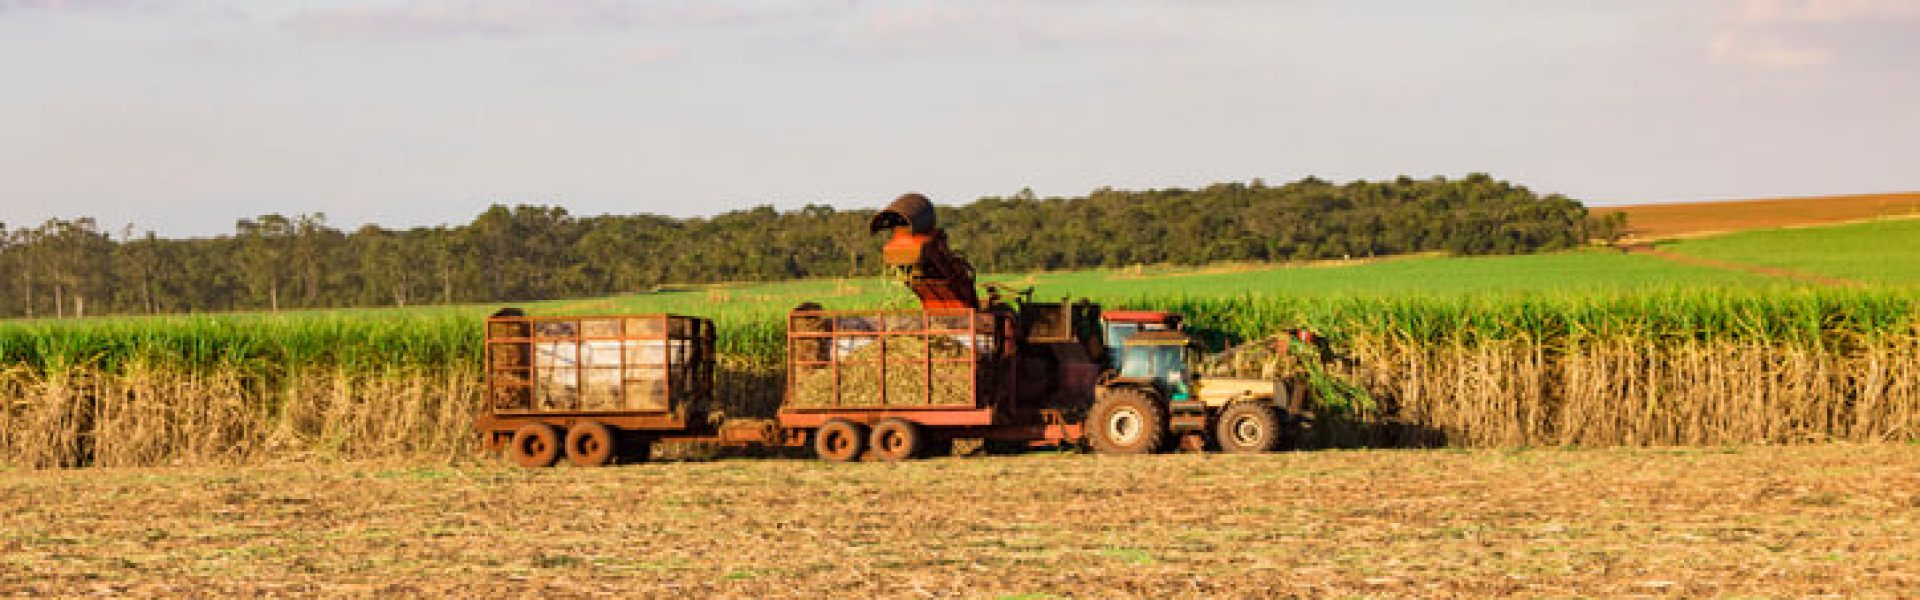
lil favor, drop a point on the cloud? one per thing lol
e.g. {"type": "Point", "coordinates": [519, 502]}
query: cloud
{"type": "Point", "coordinates": [1735, 47]}
{"type": "Point", "coordinates": [998, 24]}
{"type": "Point", "coordinates": [68, 5]}
{"type": "Point", "coordinates": [804, 25]}
{"type": "Point", "coordinates": [1825, 11]}
{"type": "Point", "coordinates": [1799, 34]}
{"type": "Point", "coordinates": [452, 18]}
{"type": "Point", "coordinates": [653, 55]}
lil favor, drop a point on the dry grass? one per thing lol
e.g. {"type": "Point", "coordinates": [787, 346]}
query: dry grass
{"type": "Point", "coordinates": [1637, 393]}
{"type": "Point", "coordinates": [1666, 221]}
{"type": "Point", "coordinates": [158, 416]}
{"type": "Point", "coordinates": [1767, 521]}
{"type": "Point", "coordinates": [1618, 392]}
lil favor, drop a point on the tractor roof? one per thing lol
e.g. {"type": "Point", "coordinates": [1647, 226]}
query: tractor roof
{"type": "Point", "coordinates": [1138, 316]}
{"type": "Point", "coordinates": [1158, 338]}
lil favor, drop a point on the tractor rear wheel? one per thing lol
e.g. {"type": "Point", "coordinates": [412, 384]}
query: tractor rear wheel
{"type": "Point", "coordinates": [839, 441]}
{"type": "Point", "coordinates": [896, 439]}
{"type": "Point", "coordinates": [589, 444]}
{"type": "Point", "coordinates": [1247, 427]}
{"type": "Point", "coordinates": [1126, 421]}
{"type": "Point", "coordinates": [535, 445]}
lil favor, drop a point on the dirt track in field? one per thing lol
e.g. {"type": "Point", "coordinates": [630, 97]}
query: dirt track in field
{"type": "Point", "coordinates": [1763, 520]}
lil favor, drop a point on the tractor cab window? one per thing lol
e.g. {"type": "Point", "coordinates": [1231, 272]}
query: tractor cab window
{"type": "Point", "coordinates": [1117, 333]}
{"type": "Point", "coordinates": [1152, 362]}
{"type": "Point", "coordinates": [1159, 357]}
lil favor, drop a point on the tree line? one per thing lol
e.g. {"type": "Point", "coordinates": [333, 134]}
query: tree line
{"type": "Point", "coordinates": [74, 267]}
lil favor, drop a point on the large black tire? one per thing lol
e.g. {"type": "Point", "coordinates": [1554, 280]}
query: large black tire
{"type": "Point", "coordinates": [839, 441]}
{"type": "Point", "coordinates": [590, 444]}
{"type": "Point", "coordinates": [1247, 427]}
{"type": "Point", "coordinates": [535, 445]}
{"type": "Point", "coordinates": [896, 439]}
{"type": "Point", "coordinates": [1127, 421]}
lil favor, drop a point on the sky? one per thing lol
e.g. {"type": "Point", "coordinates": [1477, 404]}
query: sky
{"type": "Point", "coordinates": [184, 116]}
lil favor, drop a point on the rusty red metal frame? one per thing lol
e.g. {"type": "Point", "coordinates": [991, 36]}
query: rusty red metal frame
{"type": "Point", "coordinates": [687, 367]}
{"type": "Point", "coordinates": [985, 333]}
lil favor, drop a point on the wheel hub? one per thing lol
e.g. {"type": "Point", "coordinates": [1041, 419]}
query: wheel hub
{"type": "Point", "coordinates": [1124, 425]}
{"type": "Point", "coordinates": [1247, 431]}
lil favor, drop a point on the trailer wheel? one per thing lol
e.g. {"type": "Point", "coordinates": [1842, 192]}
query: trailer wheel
{"type": "Point", "coordinates": [535, 445]}
{"type": "Point", "coordinates": [1247, 427]}
{"type": "Point", "coordinates": [589, 444]}
{"type": "Point", "coordinates": [1126, 421]}
{"type": "Point", "coordinates": [839, 441]}
{"type": "Point", "coordinates": [897, 439]}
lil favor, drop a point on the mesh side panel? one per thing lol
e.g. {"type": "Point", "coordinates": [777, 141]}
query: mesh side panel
{"type": "Point", "coordinates": [605, 328]}
{"type": "Point", "coordinates": [812, 386]}
{"type": "Point", "coordinates": [952, 384]}
{"type": "Point", "coordinates": [508, 330]}
{"type": "Point", "coordinates": [601, 390]}
{"type": "Point", "coordinates": [557, 389]}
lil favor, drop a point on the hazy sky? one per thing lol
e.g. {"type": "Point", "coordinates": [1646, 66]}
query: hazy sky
{"type": "Point", "coordinates": [184, 116]}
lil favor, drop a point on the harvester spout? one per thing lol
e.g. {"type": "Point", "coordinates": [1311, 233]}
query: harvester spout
{"type": "Point", "coordinates": [917, 252]}
{"type": "Point", "coordinates": [913, 211]}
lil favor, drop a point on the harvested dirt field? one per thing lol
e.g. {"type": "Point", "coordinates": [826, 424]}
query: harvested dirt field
{"type": "Point", "coordinates": [1665, 221]}
{"type": "Point", "coordinates": [1768, 521]}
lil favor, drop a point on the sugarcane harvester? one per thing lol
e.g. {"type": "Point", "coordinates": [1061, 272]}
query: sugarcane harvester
{"type": "Point", "coordinates": [891, 385]}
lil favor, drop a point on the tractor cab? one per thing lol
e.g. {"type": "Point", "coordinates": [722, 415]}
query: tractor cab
{"type": "Point", "coordinates": [1157, 358]}
{"type": "Point", "coordinates": [1146, 346]}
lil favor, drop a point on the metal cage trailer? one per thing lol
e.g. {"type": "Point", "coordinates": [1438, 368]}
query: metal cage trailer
{"type": "Point", "coordinates": [593, 388]}
{"type": "Point", "coordinates": [893, 385]}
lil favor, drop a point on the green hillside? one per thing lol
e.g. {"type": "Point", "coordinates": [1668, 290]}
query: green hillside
{"type": "Point", "coordinates": [1876, 252]}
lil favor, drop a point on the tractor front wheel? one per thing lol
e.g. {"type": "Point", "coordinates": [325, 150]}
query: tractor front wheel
{"type": "Point", "coordinates": [839, 441]}
{"type": "Point", "coordinates": [1247, 427]}
{"type": "Point", "coordinates": [1126, 421]}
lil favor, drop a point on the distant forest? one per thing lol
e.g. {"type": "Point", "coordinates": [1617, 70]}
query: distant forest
{"type": "Point", "coordinates": [66, 268]}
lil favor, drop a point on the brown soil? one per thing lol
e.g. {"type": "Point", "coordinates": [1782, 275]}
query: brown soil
{"type": "Point", "coordinates": [1765, 521]}
{"type": "Point", "coordinates": [1662, 221]}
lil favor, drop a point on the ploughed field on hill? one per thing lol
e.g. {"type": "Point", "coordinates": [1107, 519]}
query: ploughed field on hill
{"type": "Point", "coordinates": [1737, 521]}
{"type": "Point", "coordinates": [1695, 219]}
{"type": "Point", "coordinates": [1590, 347]}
